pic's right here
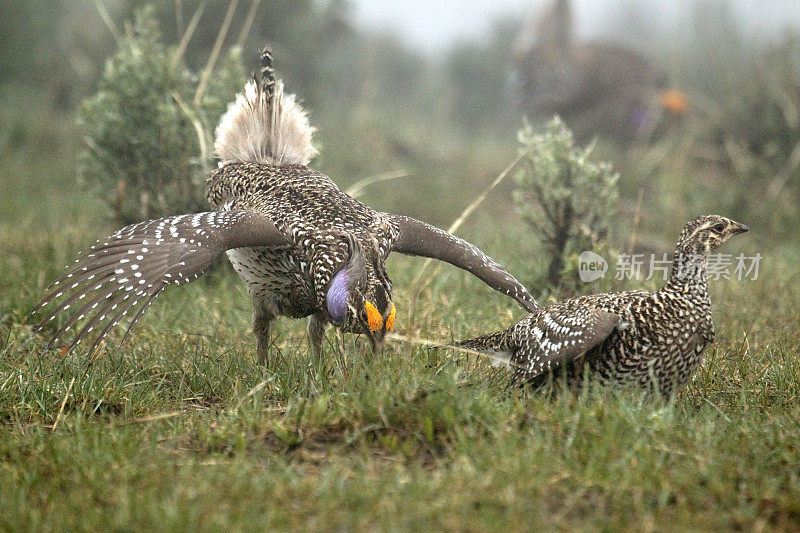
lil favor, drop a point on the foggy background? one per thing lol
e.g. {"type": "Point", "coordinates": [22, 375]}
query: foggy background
{"type": "Point", "coordinates": [696, 103]}
{"type": "Point", "coordinates": [431, 25]}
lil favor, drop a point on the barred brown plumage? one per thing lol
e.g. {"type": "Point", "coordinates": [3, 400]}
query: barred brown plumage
{"type": "Point", "coordinates": [654, 340]}
{"type": "Point", "coordinates": [304, 247]}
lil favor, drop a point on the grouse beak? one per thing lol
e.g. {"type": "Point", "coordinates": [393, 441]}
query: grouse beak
{"type": "Point", "coordinates": [740, 228]}
{"type": "Point", "coordinates": [378, 342]}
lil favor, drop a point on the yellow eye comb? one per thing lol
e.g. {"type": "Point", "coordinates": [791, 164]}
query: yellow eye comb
{"type": "Point", "coordinates": [373, 317]}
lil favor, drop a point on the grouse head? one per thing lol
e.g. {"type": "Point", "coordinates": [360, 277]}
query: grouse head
{"type": "Point", "coordinates": [356, 303]}
{"type": "Point", "coordinates": [707, 233]}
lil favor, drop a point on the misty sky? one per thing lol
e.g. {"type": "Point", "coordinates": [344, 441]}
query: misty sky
{"type": "Point", "coordinates": [431, 24]}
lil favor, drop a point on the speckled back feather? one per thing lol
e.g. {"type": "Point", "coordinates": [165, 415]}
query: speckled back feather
{"type": "Point", "coordinates": [318, 216]}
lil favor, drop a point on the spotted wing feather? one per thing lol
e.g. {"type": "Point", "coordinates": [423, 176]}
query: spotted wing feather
{"type": "Point", "coordinates": [545, 339]}
{"type": "Point", "coordinates": [133, 265]}
{"type": "Point", "coordinates": [418, 238]}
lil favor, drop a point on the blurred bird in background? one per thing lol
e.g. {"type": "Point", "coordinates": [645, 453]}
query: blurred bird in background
{"type": "Point", "coordinates": [597, 88]}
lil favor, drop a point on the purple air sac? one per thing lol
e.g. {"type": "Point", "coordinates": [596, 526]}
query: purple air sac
{"type": "Point", "coordinates": [336, 299]}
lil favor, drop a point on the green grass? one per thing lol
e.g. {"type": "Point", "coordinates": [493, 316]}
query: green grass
{"type": "Point", "coordinates": [181, 429]}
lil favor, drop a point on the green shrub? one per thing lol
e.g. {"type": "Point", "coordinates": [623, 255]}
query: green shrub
{"type": "Point", "coordinates": [567, 200]}
{"type": "Point", "coordinates": [149, 148]}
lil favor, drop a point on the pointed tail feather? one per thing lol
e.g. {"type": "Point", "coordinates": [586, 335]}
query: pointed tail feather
{"type": "Point", "coordinates": [265, 125]}
{"type": "Point", "coordinates": [492, 342]}
{"type": "Point", "coordinates": [267, 82]}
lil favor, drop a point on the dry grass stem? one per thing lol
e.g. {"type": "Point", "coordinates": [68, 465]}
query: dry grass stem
{"type": "Point", "coordinates": [212, 58]}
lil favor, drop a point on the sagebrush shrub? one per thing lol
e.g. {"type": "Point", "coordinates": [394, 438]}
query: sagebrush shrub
{"type": "Point", "coordinates": [148, 147]}
{"type": "Point", "coordinates": [567, 200]}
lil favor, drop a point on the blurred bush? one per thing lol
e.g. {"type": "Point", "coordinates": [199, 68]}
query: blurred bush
{"type": "Point", "coordinates": [149, 140]}
{"type": "Point", "coordinates": [567, 201]}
